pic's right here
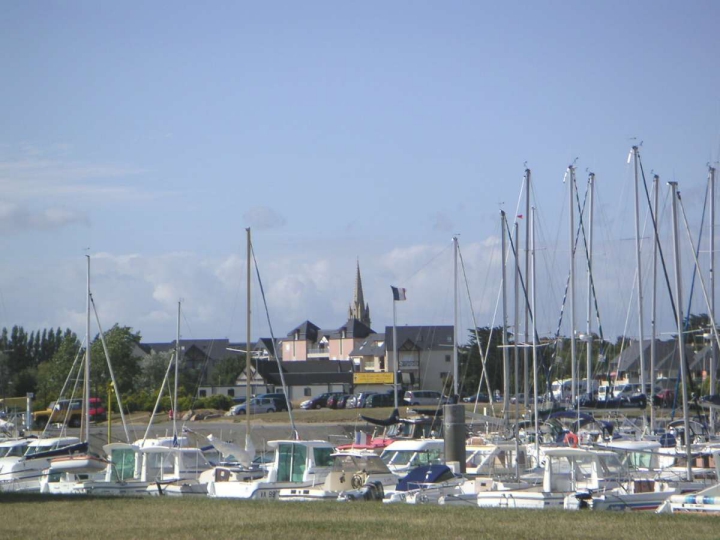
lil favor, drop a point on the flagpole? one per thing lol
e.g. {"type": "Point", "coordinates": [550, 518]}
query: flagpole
{"type": "Point", "coordinates": [395, 353]}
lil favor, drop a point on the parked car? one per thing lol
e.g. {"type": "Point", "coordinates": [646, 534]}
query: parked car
{"type": "Point", "coordinates": [423, 397]}
{"type": "Point", "coordinates": [480, 397]}
{"type": "Point", "coordinates": [587, 400]}
{"type": "Point", "coordinates": [608, 402]}
{"type": "Point", "coordinates": [332, 402]}
{"type": "Point", "coordinates": [258, 405]}
{"type": "Point", "coordinates": [96, 411]}
{"type": "Point", "coordinates": [342, 401]}
{"type": "Point", "coordinates": [318, 402]}
{"type": "Point", "coordinates": [67, 410]}
{"type": "Point", "coordinates": [664, 398]}
{"type": "Point", "coordinates": [350, 401]}
{"type": "Point", "coordinates": [379, 400]}
{"type": "Point", "coordinates": [281, 402]}
{"type": "Point", "coordinates": [339, 401]}
{"type": "Point", "coordinates": [357, 401]}
{"type": "Point", "coordinates": [635, 400]}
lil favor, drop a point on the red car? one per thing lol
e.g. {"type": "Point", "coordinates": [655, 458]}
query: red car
{"type": "Point", "coordinates": [96, 410]}
{"type": "Point", "coordinates": [664, 398]}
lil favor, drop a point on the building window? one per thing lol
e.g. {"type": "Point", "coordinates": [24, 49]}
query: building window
{"type": "Point", "coordinates": [382, 363]}
{"type": "Point", "coordinates": [202, 393]}
{"type": "Point", "coordinates": [231, 392]}
{"type": "Point", "coordinates": [443, 375]}
{"type": "Point", "coordinates": [307, 392]}
{"type": "Point", "coordinates": [447, 358]}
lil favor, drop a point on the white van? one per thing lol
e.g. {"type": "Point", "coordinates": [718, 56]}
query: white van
{"type": "Point", "coordinates": [423, 397]}
{"type": "Point", "coordinates": [561, 389]}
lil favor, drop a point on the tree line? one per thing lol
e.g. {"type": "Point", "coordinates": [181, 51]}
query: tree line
{"type": "Point", "coordinates": [49, 364]}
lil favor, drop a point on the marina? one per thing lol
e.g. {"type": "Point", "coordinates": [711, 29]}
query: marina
{"type": "Point", "coordinates": [329, 270]}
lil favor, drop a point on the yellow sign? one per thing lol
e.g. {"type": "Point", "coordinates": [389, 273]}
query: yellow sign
{"type": "Point", "coordinates": [372, 378]}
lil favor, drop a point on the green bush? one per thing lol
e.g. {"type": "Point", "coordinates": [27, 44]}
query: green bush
{"type": "Point", "coordinates": [218, 401]}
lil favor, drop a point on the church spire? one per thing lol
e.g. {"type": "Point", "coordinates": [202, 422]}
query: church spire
{"type": "Point", "coordinates": [359, 309]}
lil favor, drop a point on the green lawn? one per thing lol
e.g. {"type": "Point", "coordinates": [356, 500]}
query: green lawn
{"type": "Point", "coordinates": [56, 518]}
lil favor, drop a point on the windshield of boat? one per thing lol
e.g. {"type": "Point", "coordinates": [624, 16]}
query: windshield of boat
{"type": "Point", "coordinates": [412, 457]}
{"type": "Point", "coordinates": [36, 449]}
{"type": "Point", "coordinates": [123, 460]}
{"type": "Point", "coordinates": [612, 466]}
{"type": "Point", "coordinates": [323, 457]}
{"type": "Point", "coordinates": [352, 464]}
{"type": "Point", "coordinates": [641, 460]}
{"type": "Point", "coordinates": [494, 461]}
{"type": "Point", "coordinates": [16, 450]}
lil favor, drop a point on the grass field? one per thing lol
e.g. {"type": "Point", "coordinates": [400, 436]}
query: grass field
{"type": "Point", "coordinates": [59, 518]}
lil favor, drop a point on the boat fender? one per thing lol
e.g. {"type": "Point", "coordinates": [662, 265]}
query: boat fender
{"type": "Point", "coordinates": [571, 439]}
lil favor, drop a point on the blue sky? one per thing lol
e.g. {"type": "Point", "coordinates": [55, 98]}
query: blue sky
{"type": "Point", "coordinates": [151, 135]}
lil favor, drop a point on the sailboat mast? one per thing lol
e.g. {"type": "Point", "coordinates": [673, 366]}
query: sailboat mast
{"type": "Point", "coordinates": [86, 385]}
{"type": "Point", "coordinates": [177, 371]}
{"type": "Point", "coordinates": [653, 315]}
{"type": "Point", "coordinates": [526, 357]}
{"type": "Point", "coordinates": [681, 344]}
{"type": "Point", "coordinates": [589, 388]}
{"type": "Point", "coordinates": [516, 329]}
{"type": "Point", "coordinates": [573, 371]}
{"type": "Point", "coordinates": [506, 378]}
{"type": "Point", "coordinates": [534, 343]}
{"type": "Point", "coordinates": [713, 344]}
{"type": "Point", "coordinates": [638, 241]}
{"type": "Point", "coordinates": [456, 393]}
{"type": "Point", "coordinates": [248, 356]}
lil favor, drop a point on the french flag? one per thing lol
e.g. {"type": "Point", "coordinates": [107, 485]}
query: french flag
{"type": "Point", "coordinates": [398, 293]}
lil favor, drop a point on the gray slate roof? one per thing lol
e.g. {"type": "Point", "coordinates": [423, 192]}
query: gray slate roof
{"type": "Point", "coordinates": [307, 330]}
{"type": "Point", "coordinates": [215, 349]}
{"type": "Point", "coordinates": [374, 345]}
{"type": "Point", "coordinates": [305, 373]}
{"type": "Point", "coordinates": [353, 329]}
{"type": "Point", "coordinates": [424, 338]}
{"type": "Point", "coordinates": [668, 357]}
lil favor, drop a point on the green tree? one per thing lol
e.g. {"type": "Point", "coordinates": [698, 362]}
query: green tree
{"type": "Point", "coordinates": [227, 370]}
{"type": "Point", "coordinates": [153, 369]}
{"type": "Point", "coordinates": [53, 373]}
{"type": "Point", "coordinates": [122, 347]}
{"type": "Point", "coordinates": [470, 363]}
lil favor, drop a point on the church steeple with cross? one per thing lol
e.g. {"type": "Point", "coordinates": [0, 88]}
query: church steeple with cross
{"type": "Point", "coordinates": [359, 309]}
